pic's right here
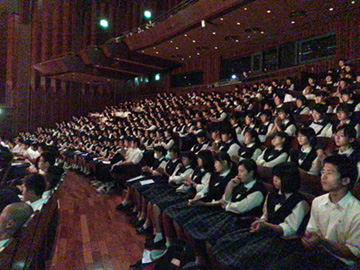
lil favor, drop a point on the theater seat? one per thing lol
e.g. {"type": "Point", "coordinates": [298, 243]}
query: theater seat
{"type": "Point", "coordinates": [265, 174]}
{"type": "Point", "coordinates": [310, 183]}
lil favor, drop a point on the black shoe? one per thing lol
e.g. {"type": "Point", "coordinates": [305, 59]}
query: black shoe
{"type": "Point", "coordinates": [131, 213]}
{"type": "Point", "coordinates": [143, 230]}
{"type": "Point", "coordinates": [137, 222]}
{"type": "Point", "coordinates": [157, 245]}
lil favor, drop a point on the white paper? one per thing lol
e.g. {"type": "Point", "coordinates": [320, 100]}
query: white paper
{"type": "Point", "coordinates": [135, 178]}
{"type": "Point", "coordinates": [106, 161]}
{"type": "Point", "coordinates": [147, 182]}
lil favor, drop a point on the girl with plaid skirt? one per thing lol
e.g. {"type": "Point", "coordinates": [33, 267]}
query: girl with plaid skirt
{"type": "Point", "coordinates": [283, 215]}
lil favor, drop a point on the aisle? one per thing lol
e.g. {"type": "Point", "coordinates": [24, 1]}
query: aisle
{"type": "Point", "coordinates": [91, 234]}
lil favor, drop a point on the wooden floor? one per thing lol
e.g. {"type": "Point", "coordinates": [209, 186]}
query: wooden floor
{"type": "Point", "coordinates": [91, 234]}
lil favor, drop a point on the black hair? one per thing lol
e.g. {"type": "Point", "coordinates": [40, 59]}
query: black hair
{"type": "Point", "coordinates": [160, 149]}
{"type": "Point", "coordinates": [289, 174]}
{"type": "Point", "coordinates": [284, 135]}
{"type": "Point", "coordinates": [349, 131]}
{"type": "Point", "coordinates": [345, 167]}
{"type": "Point", "coordinates": [191, 156]}
{"type": "Point", "coordinates": [303, 99]}
{"type": "Point", "coordinates": [36, 183]}
{"type": "Point", "coordinates": [343, 107]}
{"type": "Point", "coordinates": [309, 133]}
{"type": "Point", "coordinates": [208, 160]}
{"type": "Point", "coordinates": [175, 150]}
{"type": "Point", "coordinates": [48, 157]}
{"type": "Point", "coordinates": [322, 109]}
{"type": "Point", "coordinates": [223, 156]}
{"type": "Point", "coordinates": [7, 197]}
{"type": "Point", "coordinates": [250, 165]}
{"type": "Point", "coordinates": [268, 113]}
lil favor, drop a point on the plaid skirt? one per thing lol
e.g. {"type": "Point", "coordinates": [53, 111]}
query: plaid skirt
{"type": "Point", "coordinates": [182, 213]}
{"type": "Point", "coordinates": [171, 198]}
{"type": "Point", "coordinates": [245, 250]}
{"type": "Point", "coordinates": [215, 222]}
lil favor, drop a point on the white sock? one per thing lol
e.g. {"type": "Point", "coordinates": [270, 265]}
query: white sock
{"type": "Point", "coordinates": [125, 202]}
{"type": "Point", "coordinates": [158, 237]}
{"type": "Point", "coordinates": [168, 241]}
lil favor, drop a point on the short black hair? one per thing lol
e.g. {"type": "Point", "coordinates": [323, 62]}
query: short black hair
{"type": "Point", "coordinates": [48, 157]}
{"type": "Point", "coordinates": [309, 133]}
{"type": "Point", "coordinates": [160, 149]}
{"type": "Point", "coordinates": [289, 174]}
{"type": "Point", "coordinates": [175, 149]}
{"type": "Point", "coordinates": [36, 183]}
{"type": "Point", "coordinates": [53, 176]}
{"type": "Point", "coordinates": [249, 164]}
{"type": "Point", "coordinates": [208, 160]}
{"type": "Point", "coordinates": [345, 167]}
{"type": "Point", "coordinates": [349, 131]}
{"type": "Point", "coordinates": [7, 197]}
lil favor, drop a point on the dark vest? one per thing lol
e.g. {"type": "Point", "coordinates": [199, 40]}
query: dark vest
{"type": "Point", "coordinates": [271, 154]}
{"type": "Point", "coordinates": [247, 152]}
{"type": "Point", "coordinates": [226, 146]}
{"type": "Point", "coordinates": [197, 175]}
{"type": "Point", "coordinates": [217, 187]}
{"type": "Point", "coordinates": [263, 129]}
{"type": "Point", "coordinates": [307, 162]}
{"type": "Point", "coordinates": [277, 217]}
{"type": "Point", "coordinates": [171, 166]}
{"type": "Point", "coordinates": [240, 193]}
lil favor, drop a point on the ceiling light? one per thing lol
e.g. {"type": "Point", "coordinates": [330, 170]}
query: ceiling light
{"type": "Point", "coordinates": [177, 48]}
{"type": "Point", "coordinates": [198, 53]}
{"type": "Point", "coordinates": [268, 11]}
{"type": "Point", "coordinates": [233, 77]}
{"type": "Point", "coordinates": [292, 22]}
{"type": "Point", "coordinates": [183, 59]}
{"type": "Point", "coordinates": [221, 19]}
{"type": "Point", "coordinates": [142, 51]}
{"type": "Point", "coordinates": [237, 40]}
{"type": "Point", "coordinates": [352, 2]}
{"type": "Point", "coordinates": [245, 8]}
{"type": "Point", "coordinates": [194, 40]}
{"type": "Point", "coordinates": [185, 35]}
{"type": "Point", "coordinates": [171, 41]}
{"type": "Point", "coordinates": [189, 56]}
{"type": "Point", "coordinates": [331, 9]}
{"type": "Point", "coordinates": [104, 23]}
{"type": "Point", "coordinates": [214, 33]}
{"type": "Point", "coordinates": [262, 32]}
{"type": "Point", "coordinates": [216, 48]}
{"type": "Point", "coordinates": [157, 52]}
{"type": "Point", "coordinates": [154, 48]}
{"type": "Point", "coordinates": [238, 23]}
{"type": "Point", "coordinates": [249, 37]}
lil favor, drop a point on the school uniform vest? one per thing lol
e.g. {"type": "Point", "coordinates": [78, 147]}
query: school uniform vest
{"type": "Point", "coordinates": [197, 147]}
{"type": "Point", "coordinates": [240, 193]}
{"type": "Point", "coordinates": [271, 154]}
{"type": "Point", "coordinates": [277, 217]}
{"type": "Point", "coordinates": [247, 152]}
{"type": "Point", "coordinates": [224, 147]}
{"type": "Point", "coordinates": [182, 170]}
{"type": "Point", "coordinates": [304, 160]}
{"type": "Point", "coordinates": [157, 163]}
{"type": "Point", "coordinates": [198, 174]}
{"type": "Point", "coordinates": [217, 186]}
{"type": "Point", "coordinates": [322, 125]}
{"type": "Point", "coordinates": [284, 127]}
{"type": "Point", "coordinates": [298, 111]}
{"type": "Point", "coordinates": [263, 129]}
{"type": "Point", "coordinates": [171, 166]}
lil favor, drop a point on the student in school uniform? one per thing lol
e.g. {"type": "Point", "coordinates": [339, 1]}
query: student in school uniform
{"type": "Point", "coordinates": [284, 122]}
{"type": "Point", "coordinates": [242, 201]}
{"type": "Point", "coordinates": [228, 144]}
{"type": "Point", "coordinates": [265, 126]}
{"type": "Point", "coordinates": [322, 127]}
{"type": "Point", "coordinates": [305, 156]}
{"type": "Point", "coordinates": [249, 123]}
{"type": "Point", "coordinates": [283, 215]}
{"type": "Point", "coordinates": [343, 114]}
{"type": "Point", "coordinates": [277, 153]}
{"type": "Point", "coordinates": [251, 148]}
{"type": "Point", "coordinates": [301, 106]}
{"type": "Point", "coordinates": [202, 143]}
{"type": "Point", "coordinates": [32, 191]}
{"type": "Point", "coordinates": [332, 236]}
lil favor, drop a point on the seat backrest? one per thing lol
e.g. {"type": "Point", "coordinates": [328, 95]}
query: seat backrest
{"type": "Point", "coordinates": [310, 183]}
{"type": "Point", "coordinates": [264, 174]}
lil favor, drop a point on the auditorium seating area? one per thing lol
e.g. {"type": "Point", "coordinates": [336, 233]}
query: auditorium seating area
{"type": "Point", "coordinates": [88, 144]}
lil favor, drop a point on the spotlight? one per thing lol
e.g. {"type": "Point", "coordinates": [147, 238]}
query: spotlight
{"type": "Point", "coordinates": [147, 14]}
{"type": "Point", "coordinates": [104, 23]}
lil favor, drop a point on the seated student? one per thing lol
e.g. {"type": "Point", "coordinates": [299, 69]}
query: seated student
{"type": "Point", "coordinates": [133, 156]}
{"type": "Point", "coordinates": [242, 200]}
{"type": "Point", "coordinates": [46, 160]}
{"type": "Point", "coordinates": [305, 156]}
{"type": "Point", "coordinates": [284, 122]}
{"type": "Point", "coordinates": [251, 148]}
{"type": "Point", "coordinates": [346, 98]}
{"type": "Point", "coordinates": [277, 153]}
{"type": "Point", "coordinates": [345, 137]}
{"type": "Point", "coordinates": [321, 126]}
{"type": "Point", "coordinates": [235, 124]}
{"type": "Point", "coordinates": [301, 106]}
{"type": "Point", "coordinates": [202, 143]}
{"type": "Point", "coordinates": [343, 114]}
{"type": "Point", "coordinates": [332, 237]}
{"type": "Point", "coordinates": [52, 178]}
{"type": "Point", "coordinates": [320, 99]}
{"type": "Point", "coordinates": [159, 155]}
{"type": "Point", "coordinates": [249, 123]}
{"type": "Point", "coordinates": [33, 189]}
{"type": "Point", "coordinates": [228, 144]}
{"type": "Point", "coordinates": [265, 126]}
{"type": "Point", "coordinates": [12, 218]}
{"type": "Point", "coordinates": [283, 215]}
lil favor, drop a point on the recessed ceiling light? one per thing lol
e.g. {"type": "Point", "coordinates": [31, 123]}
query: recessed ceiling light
{"type": "Point", "coordinates": [214, 33]}
{"type": "Point", "coordinates": [245, 8]}
{"type": "Point", "coordinates": [352, 2]}
{"type": "Point", "coordinates": [157, 52]}
{"type": "Point", "coordinates": [185, 35]}
{"type": "Point", "coordinates": [238, 23]}
{"type": "Point", "coordinates": [268, 11]}
{"type": "Point", "coordinates": [331, 9]}
{"type": "Point", "coordinates": [292, 22]}
{"type": "Point", "coordinates": [194, 40]}
{"type": "Point", "coordinates": [183, 59]}
{"type": "Point", "coordinates": [154, 48]}
{"type": "Point", "coordinates": [189, 56]}
{"type": "Point", "coordinates": [171, 41]}
{"type": "Point", "coordinates": [216, 48]}
{"type": "Point", "coordinates": [142, 51]}
{"type": "Point", "coordinates": [221, 19]}
{"type": "Point", "coordinates": [198, 53]}
{"type": "Point", "coordinates": [237, 40]}
{"type": "Point", "coordinates": [176, 48]}
{"type": "Point", "coordinates": [262, 32]}
{"type": "Point", "coordinates": [249, 37]}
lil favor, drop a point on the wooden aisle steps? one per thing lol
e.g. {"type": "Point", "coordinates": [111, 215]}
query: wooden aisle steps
{"type": "Point", "coordinates": [91, 234]}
